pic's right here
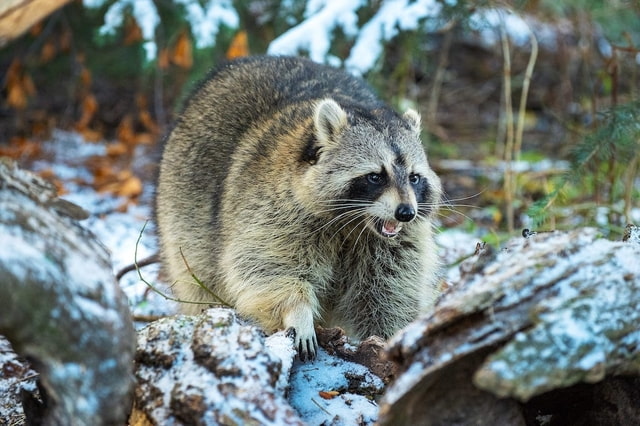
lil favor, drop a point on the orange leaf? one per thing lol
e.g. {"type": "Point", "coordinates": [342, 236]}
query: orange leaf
{"type": "Point", "coordinates": [89, 108]}
{"type": "Point", "coordinates": [20, 148]}
{"type": "Point", "coordinates": [36, 29]}
{"type": "Point", "coordinates": [145, 138]}
{"type": "Point", "coordinates": [182, 54]}
{"type": "Point", "coordinates": [148, 122]}
{"type": "Point", "coordinates": [48, 51]}
{"type": "Point", "coordinates": [90, 135]}
{"type": "Point", "coordinates": [65, 40]}
{"type": "Point", "coordinates": [125, 132]}
{"type": "Point", "coordinates": [19, 86]}
{"type": "Point", "coordinates": [85, 77]}
{"type": "Point", "coordinates": [29, 87]}
{"type": "Point", "coordinates": [131, 187]}
{"type": "Point", "coordinates": [132, 31]}
{"type": "Point", "coordinates": [16, 97]}
{"type": "Point", "coordinates": [123, 208]}
{"type": "Point", "coordinates": [117, 149]}
{"type": "Point", "coordinates": [328, 394]}
{"type": "Point", "coordinates": [239, 46]}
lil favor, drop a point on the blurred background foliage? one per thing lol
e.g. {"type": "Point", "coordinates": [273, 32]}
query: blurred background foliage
{"type": "Point", "coordinates": [580, 138]}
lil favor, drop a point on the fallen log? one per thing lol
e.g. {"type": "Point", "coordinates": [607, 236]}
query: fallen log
{"type": "Point", "coordinates": [61, 308]}
{"type": "Point", "coordinates": [17, 16]}
{"type": "Point", "coordinates": [552, 317]}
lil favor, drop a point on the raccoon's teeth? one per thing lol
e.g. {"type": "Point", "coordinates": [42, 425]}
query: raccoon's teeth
{"type": "Point", "coordinates": [390, 228]}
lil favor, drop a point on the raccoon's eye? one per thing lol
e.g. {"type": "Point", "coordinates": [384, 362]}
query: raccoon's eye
{"type": "Point", "coordinates": [414, 179]}
{"type": "Point", "coordinates": [375, 178]}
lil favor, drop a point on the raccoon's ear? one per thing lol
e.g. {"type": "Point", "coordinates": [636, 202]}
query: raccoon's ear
{"type": "Point", "coordinates": [329, 120]}
{"type": "Point", "coordinates": [413, 118]}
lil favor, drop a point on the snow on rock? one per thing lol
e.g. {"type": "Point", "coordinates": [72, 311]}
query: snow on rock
{"type": "Point", "coordinates": [211, 369]}
{"type": "Point", "coordinates": [216, 369]}
{"type": "Point", "coordinates": [547, 312]}
{"type": "Point", "coordinates": [60, 305]}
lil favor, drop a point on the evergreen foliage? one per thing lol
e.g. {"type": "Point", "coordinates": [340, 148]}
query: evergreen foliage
{"type": "Point", "coordinates": [605, 163]}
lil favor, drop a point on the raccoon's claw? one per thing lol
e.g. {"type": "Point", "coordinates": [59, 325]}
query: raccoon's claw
{"type": "Point", "coordinates": [307, 347]}
{"type": "Point", "coordinates": [300, 318]}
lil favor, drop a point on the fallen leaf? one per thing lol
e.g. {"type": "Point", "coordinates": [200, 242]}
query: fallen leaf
{"type": "Point", "coordinates": [328, 394]}
{"type": "Point", "coordinates": [20, 148]}
{"type": "Point", "coordinates": [130, 188]}
{"type": "Point", "coordinates": [182, 52]}
{"type": "Point", "coordinates": [48, 51]}
{"type": "Point", "coordinates": [239, 46]}
{"type": "Point", "coordinates": [125, 132]}
{"type": "Point", "coordinates": [90, 135]}
{"type": "Point", "coordinates": [19, 86]}
{"type": "Point", "coordinates": [117, 149]}
{"type": "Point", "coordinates": [132, 32]}
{"type": "Point", "coordinates": [85, 77]}
{"type": "Point", "coordinates": [89, 108]}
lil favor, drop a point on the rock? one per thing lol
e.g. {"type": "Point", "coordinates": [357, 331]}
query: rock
{"type": "Point", "coordinates": [60, 305]}
{"type": "Point", "coordinates": [551, 312]}
{"type": "Point", "coordinates": [212, 369]}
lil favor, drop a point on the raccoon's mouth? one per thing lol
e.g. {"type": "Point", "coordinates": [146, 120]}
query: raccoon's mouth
{"type": "Point", "coordinates": [387, 228]}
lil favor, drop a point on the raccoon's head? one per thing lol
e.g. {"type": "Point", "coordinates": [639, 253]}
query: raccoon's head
{"type": "Point", "coordinates": [369, 169]}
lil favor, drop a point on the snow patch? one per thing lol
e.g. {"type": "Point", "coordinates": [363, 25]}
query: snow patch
{"type": "Point", "coordinates": [328, 373]}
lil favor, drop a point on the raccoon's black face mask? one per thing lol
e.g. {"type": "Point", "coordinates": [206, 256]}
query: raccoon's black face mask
{"type": "Point", "coordinates": [393, 199]}
{"type": "Point", "coordinates": [371, 168]}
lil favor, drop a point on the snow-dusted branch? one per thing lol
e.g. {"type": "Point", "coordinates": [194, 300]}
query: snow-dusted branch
{"type": "Point", "coordinates": [205, 20]}
{"type": "Point", "coordinates": [393, 16]}
{"type": "Point", "coordinates": [314, 35]}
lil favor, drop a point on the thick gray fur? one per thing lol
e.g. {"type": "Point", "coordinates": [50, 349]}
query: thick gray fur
{"type": "Point", "coordinates": [266, 187]}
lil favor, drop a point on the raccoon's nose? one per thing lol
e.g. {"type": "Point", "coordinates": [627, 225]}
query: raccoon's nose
{"type": "Point", "coordinates": [405, 213]}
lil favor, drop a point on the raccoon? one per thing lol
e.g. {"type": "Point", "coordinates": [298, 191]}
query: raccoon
{"type": "Point", "coordinates": [301, 199]}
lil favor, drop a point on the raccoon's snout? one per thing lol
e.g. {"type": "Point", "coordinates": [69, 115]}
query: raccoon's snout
{"type": "Point", "coordinates": [405, 213]}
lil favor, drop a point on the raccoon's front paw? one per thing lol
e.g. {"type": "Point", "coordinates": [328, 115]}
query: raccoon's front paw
{"type": "Point", "coordinates": [307, 347]}
{"type": "Point", "coordinates": [299, 322]}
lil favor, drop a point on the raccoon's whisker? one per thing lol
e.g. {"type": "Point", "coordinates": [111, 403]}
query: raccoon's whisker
{"type": "Point", "coordinates": [452, 209]}
{"type": "Point", "coordinates": [449, 205]}
{"type": "Point", "coordinates": [348, 206]}
{"type": "Point", "coordinates": [345, 203]}
{"type": "Point", "coordinates": [355, 217]}
{"type": "Point", "coordinates": [354, 212]}
{"type": "Point", "coordinates": [343, 207]}
{"type": "Point", "coordinates": [345, 200]}
{"type": "Point", "coordinates": [441, 214]}
{"type": "Point", "coordinates": [366, 221]}
{"type": "Point", "coordinates": [445, 199]}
